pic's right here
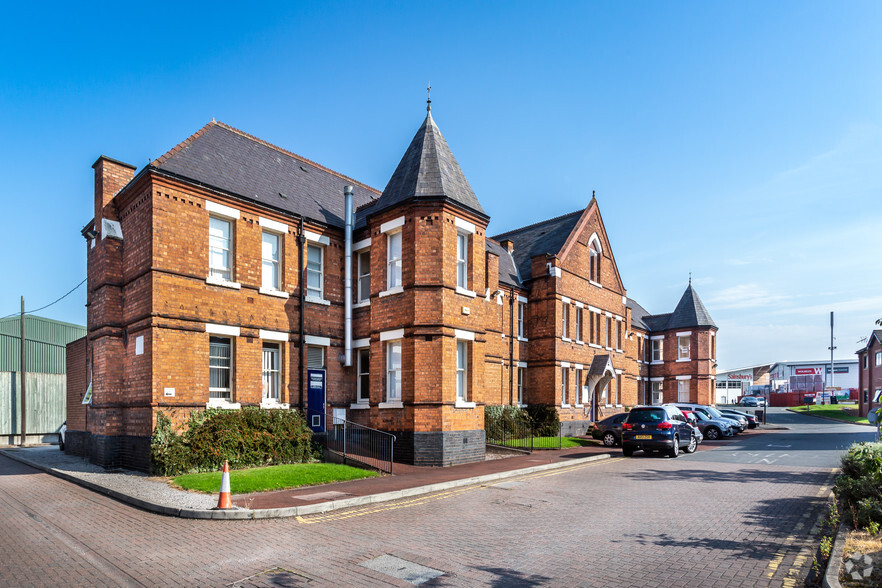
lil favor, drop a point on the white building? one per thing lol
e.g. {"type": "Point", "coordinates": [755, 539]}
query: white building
{"type": "Point", "coordinates": [786, 376]}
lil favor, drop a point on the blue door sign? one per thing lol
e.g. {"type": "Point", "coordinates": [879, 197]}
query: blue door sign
{"type": "Point", "coordinates": [315, 400]}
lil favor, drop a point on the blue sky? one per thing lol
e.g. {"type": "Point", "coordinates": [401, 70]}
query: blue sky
{"type": "Point", "coordinates": [741, 142]}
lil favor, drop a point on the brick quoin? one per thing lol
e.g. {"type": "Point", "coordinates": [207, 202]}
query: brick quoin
{"type": "Point", "coordinates": [151, 303]}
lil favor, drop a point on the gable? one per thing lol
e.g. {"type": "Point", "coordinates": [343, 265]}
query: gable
{"type": "Point", "coordinates": [575, 253]}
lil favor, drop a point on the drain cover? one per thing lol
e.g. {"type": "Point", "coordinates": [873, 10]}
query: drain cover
{"type": "Point", "coordinates": [273, 577]}
{"type": "Point", "coordinates": [402, 569]}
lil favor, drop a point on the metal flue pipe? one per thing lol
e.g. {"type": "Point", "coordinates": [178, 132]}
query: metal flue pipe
{"type": "Point", "coordinates": [347, 279]}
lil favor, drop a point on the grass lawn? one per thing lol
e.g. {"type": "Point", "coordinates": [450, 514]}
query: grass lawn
{"type": "Point", "coordinates": [550, 442]}
{"type": "Point", "coordinates": [272, 477]}
{"type": "Point", "coordinates": [844, 413]}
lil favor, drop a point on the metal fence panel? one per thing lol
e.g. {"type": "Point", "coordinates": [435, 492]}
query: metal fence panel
{"type": "Point", "coordinates": [46, 403]}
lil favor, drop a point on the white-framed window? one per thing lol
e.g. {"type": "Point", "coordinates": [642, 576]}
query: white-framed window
{"type": "Point", "coordinates": [393, 371]}
{"type": "Point", "coordinates": [522, 311]}
{"type": "Point", "coordinates": [564, 384]}
{"type": "Point", "coordinates": [220, 367]}
{"type": "Point", "coordinates": [315, 357]}
{"type": "Point", "coordinates": [619, 389]}
{"type": "Point", "coordinates": [315, 271]}
{"type": "Point", "coordinates": [462, 370]}
{"type": "Point", "coordinates": [462, 260]}
{"type": "Point", "coordinates": [683, 344]}
{"type": "Point", "coordinates": [220, 248]}
{"type": "Point", "coordinates": [591, 327]}
{"type": "Point", "coordinates": [393, 260]}
{"type": "Point", "coordinates": [578, 324]}
{"type": "Point", "coordinates": [364, 368]}
{"type": "Point", "coordinates": [866, 361]}
{"type": "Point", "coordinates": [657, 392]}
{"type": "Point", "coordinates": [618, 334]}
{"type": "Point", "coordinates": [364, 275]}
{"type": "Point", "coordinates": [271, 277]}
{"type": "Point", "coordinates": [594, 262]}
{"type": "Point", "coordinates": [522, 377]}
{"type": "Point", "coordinates": [879, 358]}
{"type": "Point", "coordinates": [565, 320]}
{"type": "Point", "coordinates": [657, 347]}
{"type": "Point", "coordinates": [579, 382]}
{"type": "Point", "coordinates": [272, 364]}
{"type": "Point", "coordinates": [682, 390]}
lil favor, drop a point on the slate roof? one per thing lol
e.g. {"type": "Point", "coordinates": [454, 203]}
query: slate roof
{"type": "Point", "coordinates": [877, 334]}
{"type": "Point", "coordinates": [508, 271]}
{"type": "Point", "coordinates": [690, 312]}
{"type": "Point", "coordinates": [638, 315]}
{"type": "Point", "coordinates": [229, 160]}
{"type": "Point", "coordinates": [428, 170]}
{"type": "Point", "coordinates": [547, 236]}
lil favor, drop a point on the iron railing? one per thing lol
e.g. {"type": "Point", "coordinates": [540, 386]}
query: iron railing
{"type": "Point", "coordinates": [520, 434]}
{"type": "Point", "coordinates": [357, 443]}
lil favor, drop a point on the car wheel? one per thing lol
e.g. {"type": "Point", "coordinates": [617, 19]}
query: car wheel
{"type": "Point", "coordinates": [609, 439]}
{"type": "Point", "coordinates": [674, 451]}
{"type": "Point", "coordinates": [61, 446]}
{"type": "Point", "coordinates": [627, 451]}
{"type": "Point", "coordinates": [712, 434]}
{"type": "Point", "coordinates": [693, 445]}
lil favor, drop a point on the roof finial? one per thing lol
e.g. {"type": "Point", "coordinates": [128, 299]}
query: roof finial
{"type": "Point", "coordinates": [429, 99]}
{"type": "Point", "coordinates": [690, 278]}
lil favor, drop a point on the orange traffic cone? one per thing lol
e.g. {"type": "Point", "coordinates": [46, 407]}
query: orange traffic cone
{"type": "Point", "coordinates": [223, 501]}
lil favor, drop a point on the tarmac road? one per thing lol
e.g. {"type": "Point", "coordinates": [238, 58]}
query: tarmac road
{"type": "Point", "coordinates": [738, 515]}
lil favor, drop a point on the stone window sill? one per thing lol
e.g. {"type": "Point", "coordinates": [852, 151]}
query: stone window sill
{"type": "Point", "coordinates": [593, 283]}
{"type": "Point", "coordinates": [565, 406]}
{"type": "Point", "coordinates": [393, 404]}
{"type": "Point", "coordinates": [391, 291]}
{"type": "Point", "coordinates": [222, 403]}
{"type": "Point", "coordinates": [274, 404]}
{"type": "Point", "coordinates": [276, 293]}
{"type": "Point", "coordinates": [361, 304]}
{"type": "Point", "coordinates": [316, 300]}
{"type": "Point", "coordinates": [215, 281]}
{"type": "Point", "coordinates": [522, 339]}
{"type": "Point", "coordinates": [465, 292]}
{"type": "Point", "coordinates": [359, 406]}
{"type": "Point", "coordinates": [463, 404]}
{"type": "Point", "coordinates": [567, 339]}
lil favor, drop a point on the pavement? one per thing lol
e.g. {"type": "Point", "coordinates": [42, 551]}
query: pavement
{"type": "Point", "coordinates": [155, 495]}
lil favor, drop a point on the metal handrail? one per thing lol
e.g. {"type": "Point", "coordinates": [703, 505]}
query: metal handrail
{"type": "Point", "coordinates": [358, 443]}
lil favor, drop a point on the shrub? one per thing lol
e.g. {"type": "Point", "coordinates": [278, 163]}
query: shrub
{"type": "Point", "coordinates": [248, 437]}
{"type": "Point", "coordinates": [859, 488]}
{"type": "Point", "coordinates": [505, 421]}
{"type": "Point", "coordinates": [546, 421]}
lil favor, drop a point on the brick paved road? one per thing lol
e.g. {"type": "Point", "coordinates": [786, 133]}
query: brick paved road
{"type": "Point", "coordinates": [693, 521]}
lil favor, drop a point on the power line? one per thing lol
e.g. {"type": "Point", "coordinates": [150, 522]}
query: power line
{"type": "Point", "coordinates": [71, 291]}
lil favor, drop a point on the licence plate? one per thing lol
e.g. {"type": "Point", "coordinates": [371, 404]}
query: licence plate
{"type": "Point", "coordinates": [643, 436]}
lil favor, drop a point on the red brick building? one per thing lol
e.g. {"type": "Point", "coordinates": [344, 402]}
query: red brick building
{"type": "Point", "coordinates": [870, 374]}
{"type": "Point", "coordinates": [217, 278]}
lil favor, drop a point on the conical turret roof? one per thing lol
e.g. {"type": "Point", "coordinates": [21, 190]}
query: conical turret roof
{"type": "Point", "coordinates": [428, 170]}
{"type": "Point", "coordinates": [690, 312]}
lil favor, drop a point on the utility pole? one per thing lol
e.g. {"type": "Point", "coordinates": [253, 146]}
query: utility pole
{"type": "Point", "coordinates": [832, 347]}
{"type": "Point", "coordinates": [22, 371]}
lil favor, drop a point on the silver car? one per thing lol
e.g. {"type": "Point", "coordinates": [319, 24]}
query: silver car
{"type": "Point", "coordinates": [712, 429]}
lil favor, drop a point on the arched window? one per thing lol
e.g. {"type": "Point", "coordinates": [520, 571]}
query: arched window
{"type": "Point", "coordinates": [594, 251]}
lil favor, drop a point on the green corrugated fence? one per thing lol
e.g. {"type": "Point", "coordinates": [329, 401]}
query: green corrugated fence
{"type": "Point", "coordinates": [45, 342]}
{"type": "Point", "coordinates": [46, 403]}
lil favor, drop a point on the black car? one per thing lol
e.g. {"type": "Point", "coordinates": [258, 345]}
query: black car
{"type": "Point", "coordinates": [657, 428]}
{"type": "Point", "coordinates": [609, 430]}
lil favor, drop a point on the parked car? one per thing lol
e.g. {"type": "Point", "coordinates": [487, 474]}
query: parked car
{"type": "Point", "coordinates": [712, 413]}
{"type": "Point", "coordinates": [752, 421]}
{"type": "Point", "coordinates": [738, 416]}
{"type": "Point", "coordinates": [756, 401]}
{"type": "Point", "coordinates": [712, 429]}
{"type": "Point", "coordinates": [657, 428]}
{"type": "Point", "coordinates": [609, 430]}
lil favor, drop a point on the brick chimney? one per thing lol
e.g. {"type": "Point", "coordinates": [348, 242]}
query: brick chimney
{"type": "Point", "coordinates": [111, 176]}
{"type": "Point", "coordinates": [508, 244]}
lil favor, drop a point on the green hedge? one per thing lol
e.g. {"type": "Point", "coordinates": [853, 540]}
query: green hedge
{"type": "Point", "coordinates": [859, 488]}
{"type": "Point", "coordinates": [510, 421]}
{"type": "Point", "coordinates": [248, 437]}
